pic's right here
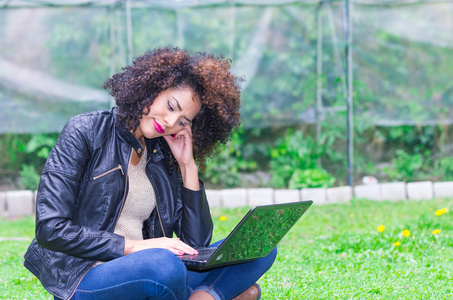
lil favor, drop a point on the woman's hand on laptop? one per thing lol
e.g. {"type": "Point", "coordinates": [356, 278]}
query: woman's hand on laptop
{"type": "Point", "coordinates": [175, 245]}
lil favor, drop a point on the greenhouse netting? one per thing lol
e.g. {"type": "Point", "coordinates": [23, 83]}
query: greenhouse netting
{"type": "Point", "coordinates": [55, 56]}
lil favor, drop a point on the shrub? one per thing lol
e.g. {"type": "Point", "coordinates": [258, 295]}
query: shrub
{"type": "Point", "coordinates": [294, 161]}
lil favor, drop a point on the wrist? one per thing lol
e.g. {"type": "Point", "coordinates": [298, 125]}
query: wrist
{"type": "Point", "coordinates": [189, 175]}
{"type": "Point", "coordinates": [190, 167]}
{"type": "Point", "coordinates": [128, 247]}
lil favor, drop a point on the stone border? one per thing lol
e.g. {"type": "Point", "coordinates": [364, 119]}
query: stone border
{"type": "Point", "coordinates": [15, 204]}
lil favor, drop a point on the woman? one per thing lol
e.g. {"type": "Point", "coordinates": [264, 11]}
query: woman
{"type": "Point", "coordinates": [119, 183]}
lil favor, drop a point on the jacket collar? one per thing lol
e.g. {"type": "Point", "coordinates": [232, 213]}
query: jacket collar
{"type": "Point", "coordinates": [153, 146]}
{"type": "Point", "coordinates": [154, 149]}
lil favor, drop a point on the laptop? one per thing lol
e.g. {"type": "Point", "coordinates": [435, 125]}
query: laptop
{"type": "Point", "coordinates": [256, 235]}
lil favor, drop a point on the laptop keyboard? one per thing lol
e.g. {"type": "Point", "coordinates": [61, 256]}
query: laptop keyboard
{"type": "Point", "coordinates": [203, 254]}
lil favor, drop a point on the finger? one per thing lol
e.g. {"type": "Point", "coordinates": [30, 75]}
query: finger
{"type": "Point", "coordinates": [172, 244]}
{"type": "Point", "coordinates": [176, 251]}
{"type": "Point", "coordinates": [189, 128]}
{"type": "Point", "coordinates": [184, 248]}
{"type": "Point", "coordinates": [169, 139]}
{"type": "Point", "coordinates": [182, 252]}
{"type": "Point", "coordinates": [172, 140]}
{"type": "Point", "coordinates": [182, 133]}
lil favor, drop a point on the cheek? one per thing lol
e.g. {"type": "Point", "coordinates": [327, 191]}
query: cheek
{"type": "Point", "coordinates": [146, 125]}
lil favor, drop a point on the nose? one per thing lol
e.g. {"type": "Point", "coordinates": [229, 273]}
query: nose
{"type": "Point", "coordinates": [170, 121]}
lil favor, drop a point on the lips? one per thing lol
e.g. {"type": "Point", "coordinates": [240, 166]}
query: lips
{"type": "Point", "coordinates": [158, 127]}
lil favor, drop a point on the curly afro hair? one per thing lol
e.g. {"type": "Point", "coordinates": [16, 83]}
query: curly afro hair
{"type": "Point", "coordinates": [136, 87]}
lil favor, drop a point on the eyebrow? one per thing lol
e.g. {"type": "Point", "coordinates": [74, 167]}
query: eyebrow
{"type": "Point", "coordinates": [177, 102]}
{"type": "Point", "coordinates": [180, 109]}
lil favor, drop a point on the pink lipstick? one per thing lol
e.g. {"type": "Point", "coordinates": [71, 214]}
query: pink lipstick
{"type": "Point", "coordinates": [158, 127]}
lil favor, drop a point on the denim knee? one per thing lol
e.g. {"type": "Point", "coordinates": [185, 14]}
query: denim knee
{"type": "Point", "coordinates": [270, 258]}
{"type": "Point", "coordinates": [171, 271]}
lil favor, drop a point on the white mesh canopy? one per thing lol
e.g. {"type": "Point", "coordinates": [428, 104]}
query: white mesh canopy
{"type": "Point", "coordinates": [55, 56]}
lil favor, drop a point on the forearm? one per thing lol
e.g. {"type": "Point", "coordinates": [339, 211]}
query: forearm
{"type": "Point", "coordinates": [190, 177]}
{"type": "Point", "coordinates": [63, 236]}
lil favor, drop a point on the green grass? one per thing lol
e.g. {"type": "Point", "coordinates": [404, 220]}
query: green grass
{"type": "Point", "coordinates": [334, 252]}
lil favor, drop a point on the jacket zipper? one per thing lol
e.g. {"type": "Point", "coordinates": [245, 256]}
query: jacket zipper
{"type": "Point", "coordinates": [110, 171]}
{"type": "Point", "coordinates": [122, 204]}
{"type": "Point", "coordinates": [81, 280]}
{"type": "Point", "coordinates": [160, 220]}
{"type": "Point", "coordinates": [157, 206]}
{"type": "Point", "coordinates": [125, 186]}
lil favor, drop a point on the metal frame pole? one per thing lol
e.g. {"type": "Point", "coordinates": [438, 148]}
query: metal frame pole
{"type": "Point", "coordinates": [350, 124]}
{"type": "Point", "coordinates": [318, 71]}
{"type": "Point", "coordinates": [233, 31]}
{"type": "Point", "coordinates": [112, 47]}
{"type": "Point", "coordinates": [130, 49]}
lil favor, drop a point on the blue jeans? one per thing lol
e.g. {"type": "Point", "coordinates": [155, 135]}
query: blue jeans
{"type": "Point", "coordinates": [160, 274]}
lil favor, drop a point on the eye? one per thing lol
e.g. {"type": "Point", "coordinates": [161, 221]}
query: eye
{"type": "Point", "coordinates": [181, 123]}
{"type": "Point", "coordinates": [170, 108]}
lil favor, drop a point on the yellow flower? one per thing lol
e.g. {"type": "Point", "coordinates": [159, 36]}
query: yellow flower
{"type": "Point", "coordinates": [406, 233]}
{"type": "Point", "coordinates": [436, 231]}
{"type": "Point", "coordinates": [222, 218]}
{"type": "Point", "coordinates": [439, 212]}
{"type": "Point", "coordinates": [396, 244]}
{"type": "Point", "coordinates": [381, 228]}
{"type": "Point", "coordinates": [444, 210]}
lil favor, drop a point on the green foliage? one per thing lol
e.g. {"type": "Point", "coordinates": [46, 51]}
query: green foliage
{"type": "Point", "coordinates": [407, 153]}
{"type": "Point", "coordinates": [311, 178]}
{"type": "Point", "coordinates": [414, 139]}
{"type": "Point", "coordinates": [24, 155]}
{"type": "Point", "coordinates": [334, 138]}
{"type": "Point", "coordinates": [225, 169]}
{"type": "Point", "coordinates": [443, 167]}
{"type": "Point", "coordinates": [407, 167]}
{"type": "Point", "coordinates": [29, 177]}
{"type": "Point", "coordinates": [11, 147]}
{"type": "Point", "coordinates": [295, 151]}
{"type": "Point", "coordinates": [40, 145]}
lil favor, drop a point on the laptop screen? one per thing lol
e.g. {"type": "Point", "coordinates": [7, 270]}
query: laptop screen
{"type": "Point", "coordinates": [260, 231]}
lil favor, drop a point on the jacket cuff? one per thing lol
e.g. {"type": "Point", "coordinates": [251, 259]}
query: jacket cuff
{"type": "Point", "coordinates": [191, 194]}
{"type": "Point", "coordinates": [119, 247]}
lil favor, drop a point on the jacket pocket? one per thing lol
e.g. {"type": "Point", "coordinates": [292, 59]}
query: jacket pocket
{"type": "Point", "coordinates": [34, 258]}
{"type": "Point", "coordinates": [119, 167]}
{"type": "Point", "coordinates": [57, 266]}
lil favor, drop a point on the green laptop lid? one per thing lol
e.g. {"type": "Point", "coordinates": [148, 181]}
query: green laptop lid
{"type": "Point", "coordinates": [259, 232]}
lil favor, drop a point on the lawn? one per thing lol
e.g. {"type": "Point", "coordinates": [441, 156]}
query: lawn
{"type": "Point", "coordinates": [334, 252]}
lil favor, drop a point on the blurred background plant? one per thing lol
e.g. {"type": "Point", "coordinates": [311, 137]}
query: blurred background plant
{"type": "Point", "coordinates": [22, 158]}
{"type": "Point", "coordinates": [443, 168]}
{"type": "Point", "coordinates": [295, 161]}
{"type": "Point", "coordinates": [408, 167]}
{"type": "Point", "coordinates": [226, 167]}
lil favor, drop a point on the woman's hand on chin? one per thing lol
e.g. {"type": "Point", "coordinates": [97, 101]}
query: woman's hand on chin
{"type": "Point", "coordinates": [181, 145]}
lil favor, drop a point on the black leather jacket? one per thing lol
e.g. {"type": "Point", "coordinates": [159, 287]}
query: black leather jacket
{"type": "Point", "coordinates": [81, 193]}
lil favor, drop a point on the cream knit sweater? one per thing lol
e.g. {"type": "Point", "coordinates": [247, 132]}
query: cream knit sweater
{"type": "Point", "coordinates": [138, 205]}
